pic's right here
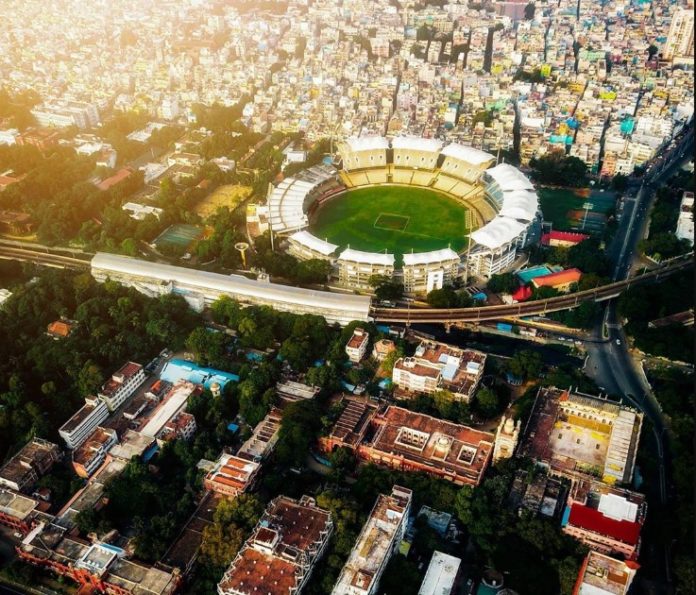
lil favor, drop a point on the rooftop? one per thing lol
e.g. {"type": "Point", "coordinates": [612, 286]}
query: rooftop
{"type": "Point", "coordinates": [232, 472]}
{"type": "Point", "coordinates": [603, 575]}
{"type": "Point", "coordinates": [580, 434]}
{"type": "Point", "coordinates": [351, 425]}
{"type": "Point", "coordinates": [93, 446]}
{"type": "Point", "coordinates": [454, 449]}
{"type": "Point", "coordinates": [441, 574]}
{"type": "Point", "coordinates": [80, 416]}
{"type": "Point", "coordinates": [374, 543]}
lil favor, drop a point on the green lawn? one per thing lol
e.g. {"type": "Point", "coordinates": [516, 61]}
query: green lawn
{"type": "Point", "coordinates": [396, 218]}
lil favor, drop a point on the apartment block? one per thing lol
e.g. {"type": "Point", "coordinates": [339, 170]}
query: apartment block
{"type": "Point", "coordinates": [122, 385]}
{"type": "Point", "coordinates": [356, 348]}
{"type": "Point", "coordinates": [379, 538]}
{"type": "Point", "coordinates": [76, 430]}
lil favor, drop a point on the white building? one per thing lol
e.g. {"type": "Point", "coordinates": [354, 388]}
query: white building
{"type": "Point", "coordinates": [379, 538]}
{"type": "Point", "coordinates": [201, 288]}
{"type": "Point", "coordinates": [685, 223]}
{"type": "Point", "coordinates": [426, 271]}
{"type": "Point", "coordinates": [122, 385]}
{"type": "Point", "coordinates": [356, 348]}
{"type": "Point", "coordinates": [305, 246]}
{"type": "Point", "coordinates": [139, 211]}
{"type": "Point", "coordinates": [76, 430]}
{"type": "Point", "coordinates": [355, 268]}
{"type": "Point", "coordinates": [680, 40]}
{"type": "Point", "coordinates": [91, 454]}
{"type": "Point", "coordinates": [441, 576]}
{"type": "Point", "coordinates": [9, 136]}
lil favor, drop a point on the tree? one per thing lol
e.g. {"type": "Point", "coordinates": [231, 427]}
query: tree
{"type": "Point", "coordinates": [487, 402]}
{"type": "Point", "coordinates": [529, 11]}
{"type": "Point", "coordinates": [343, 463]}
{"type": "Point", "coordinates": [385, 288]}
{"type": "Point", "coordinates": [298, 428]}
{"type": "Point", "coordinates": [503, 283]}
{"type": "Point", "coordinates": [619, 182]}
{"type": "Point", "coordinates": [89, 379]}
{"type": "Point", "coordinates": [652, 51]}
{"type": "Point", "coordinates": [447, 297]}
{"type": "Point", "coordinates": [525, 364]}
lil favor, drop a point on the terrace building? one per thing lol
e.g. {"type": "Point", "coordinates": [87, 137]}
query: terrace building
{"type": "Point", "coordinates": [380, 536]}
{"type": "Point", "coordinates": [441, 576]}
{"type": "Point", "coordinates": [426, 271]}
{"type": "Point", "coordinates": [281, 553]}
{"type": "Point", "coordinates": [409, 441]}
{"type": "Point", "coordinates": [180, 427]}
{"type": "Point", "coordinates": [91, 454]}
{"type": "Point", "coordinates": [231, 475]}
{"type": "Point", "coordinates": [606, 519]}
{"type": "Point", "coordinates": [438, 366]}
{"type": "Point", "coordinates": [262, 442]}
{"type": "Point", "coordinates": [356, 348]}
{"type": "Point", "coordinates": [685, 222]}
{"type": "Point", "coordinates": [23, 470]}
{"type": "Point", "coordinates": [582, 437]}
{"type": "Point", "coordinates": [356, 268]}
{"type": "Point", "coordinates": [122, 385]}
{"type": "Point", "coordinates": [603, 575]}
{"type": "Point", "coordinates": [304, 246]}
{"type": "Point", "coordinates": [76, 430]}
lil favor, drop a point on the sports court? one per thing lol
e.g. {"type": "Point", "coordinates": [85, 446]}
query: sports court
{"type": "Point", "coordinates": [565, 208]}
{"type": "Point", "coordinates": [399, 219]}
{"type": "Point", "coordinates": [179, 235]}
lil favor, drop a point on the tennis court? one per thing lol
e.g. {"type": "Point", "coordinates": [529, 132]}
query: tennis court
{"type": "Point", "coordinates": [566, 208]}
{"type": "Point", "coordinates": [182, 235]}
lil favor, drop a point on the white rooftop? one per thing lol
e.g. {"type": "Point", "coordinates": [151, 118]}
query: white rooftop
{"type": "Point", "coordinates": [367, 257]}
{"type": "Point", "coordinates": [313, 243]}
{"type": "Point", "coordinates": [430, 257]}
{"type": "Point", "coordinates": [617, 507]}
{"type": "Point", "coordinates": [509, 177]}
{"type": "Point", "coordinates": [441, 574]}
{"type": "Point", "coordinates": [367, 143]}
{"type": "Point", "coordinates": [497, 233]}
{"type": "Point", "coordinates": [468, 154]}
{"type": "Point", "coordinates": [416, 143]}
{"type": "Point", "coordinates": [172, 403]}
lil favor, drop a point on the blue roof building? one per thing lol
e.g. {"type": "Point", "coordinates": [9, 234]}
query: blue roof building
{"type": "Point", "coordinates": [178, 369]}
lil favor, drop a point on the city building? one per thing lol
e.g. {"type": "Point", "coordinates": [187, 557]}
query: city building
{"type": "Point", "coordinates": [172, 404]}
{"type": "Point", "coordinates": [90, 455]}
{"type": "Point", "coordinates": [60, 329]}
{"type": "Point", "coordinates": [231, 475]}
{"type": "Point", "coordinates": [201, 288]}
{"type": "Point", "coordinates": [180, 427]}
{"type": "Point", "coordinates": [75, 431]}
{"type": "Point", "coordinates": [680, 39]}
{"type": "Point", "coordinates": [282, 551]}
{"type": "Point", "coordinates": [537, 494]}
{"type": "Point", "coordinates": [379, 538]}
{"type": "Point", "coordinates": [603, 575]}
{"type": "Point", "coordinates": [262, 441]}
{"type": "Point", "coordinates": [356, 348]}
{"type": "Point", "coordinates": [582, 437]}
{"type": "Point", "coordinates": [382, 348]}
{"type": "Point", "coordinates": [441, 576]}
{"type": "Point", "coordinates": [23, 470]}
{"type": "Point", "coordinates": [139, 211]}
{"type": "Point", "coordinates": [122, 384]}
{"type": "Point", "coordinates": [18, 512]}
{"type": "Point", "coordinates": [426, 271]}
{"type": "Point", "coordinates": [561, 281]}
{"type": "Point", "coordinates": [606, 519]}
{"type": "Point", "coordinates": [304, 246]}
{"type": "Point", "coordinates": [685, 222]}
{"type": "Point", "coordinates": [409, 441]}
{"type": "Point", "coordinates": [438, 366]}
{"type": "Point", "coordinates": [357, 268]}
{"type": "Point", "coordinates": [506, 437]}
{"type": "Point", "coordinates": [562, 239]}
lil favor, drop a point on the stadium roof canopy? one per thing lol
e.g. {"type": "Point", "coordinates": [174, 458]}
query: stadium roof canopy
{"type": "Point", "coordinates": [416, 143]}
{"type": "Point", "coordinates": [367, 143]}
{"type": "Point", "coordinates": [498, 232]}
{"type": "Point", "coordinates": [520, 204]}
{"type": "Point", "coordinates": [367, 257]}
{"type": "Point", "coordinates": [509, 178]}
{"type": "Point", "coordinates": [313, 243]}
{"type": "Point", "coordinates": [467, 154]}
{"type": "Point", "coordinates": [430, 257]}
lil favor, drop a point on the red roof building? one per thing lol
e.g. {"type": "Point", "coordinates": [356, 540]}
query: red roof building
{"type": "Point", "coordinates": [118, 177]}
{"type": "Point", "coordinates": [560, 281]}
{"type": "Point", "coordinates": [563, 239]}
{"type": "Point", "coordinates": [522, 293]}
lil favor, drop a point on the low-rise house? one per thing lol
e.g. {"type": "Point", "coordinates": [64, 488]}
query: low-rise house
{"type": "Point", "coordinates": [356, 348]}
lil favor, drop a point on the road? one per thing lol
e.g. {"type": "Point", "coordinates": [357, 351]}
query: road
{"type": "Point", "coordinates": [610, 363]}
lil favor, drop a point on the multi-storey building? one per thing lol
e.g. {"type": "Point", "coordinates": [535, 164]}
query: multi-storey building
{"type": "Point", "coordinates": [380, 536]}
{"type": "Point", "coordinates": [76, 430]}
{"type": "Point", "coordinates": [685, 222]}
{"type": "Point", "coordinates": [282, 551]}
{"type": "Point", "coordinates": [602, 574]}
{"type": "Point", "coordinates": [680, 39]}
{"type": "Point", "coordinates": [89, 456]}
{"type": "Point", "coordinates": [25, 468]}
{"type": "Point", "coordinates": [437, 366]}
{"type": "Point", "coordinates": [441, 576]}
{"type": "Point", "coordinates": [410, 441]}
{"type": "Point", "coordinates": [426, 271]}
{"type": "Point", "coordinates": [357, 268]}
{"type": "Point", "coordinates": [232, 475]}
{"type": "Point", "coordinates": [122, 385]}
{"type": "Point", "coordinates": [356, 348]}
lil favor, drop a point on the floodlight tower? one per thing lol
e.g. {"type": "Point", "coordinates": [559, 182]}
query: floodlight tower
{"type": "Point", "coordinates": [242, 247]}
